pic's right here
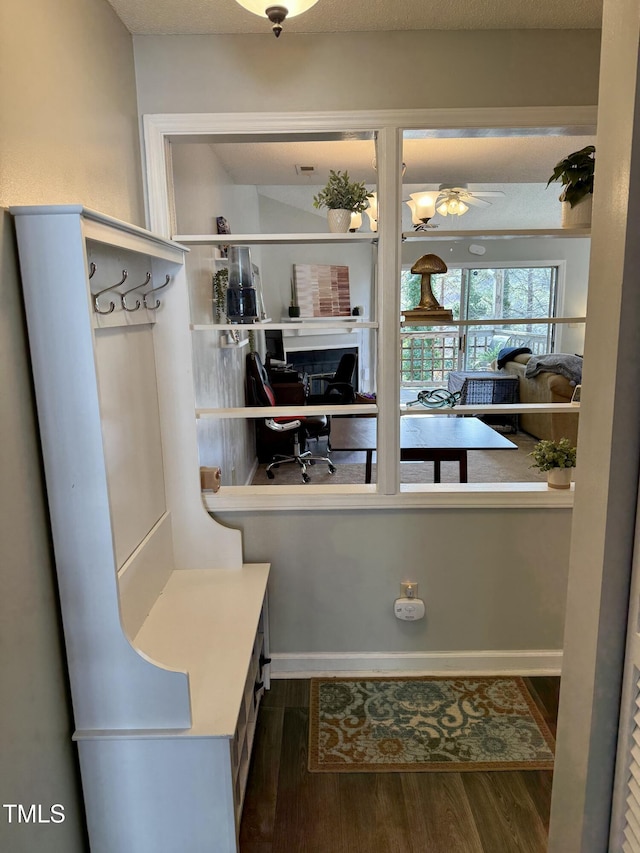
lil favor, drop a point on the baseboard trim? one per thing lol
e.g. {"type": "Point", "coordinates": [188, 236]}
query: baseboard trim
{"type": "Point", "coordinates": [308, 665]}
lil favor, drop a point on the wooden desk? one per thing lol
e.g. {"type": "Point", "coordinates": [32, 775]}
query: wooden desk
{"type": "Point", "coordinates": [423, 438]}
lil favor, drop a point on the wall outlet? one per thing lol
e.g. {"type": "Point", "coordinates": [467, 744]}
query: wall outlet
{"type": "Point", "coordinates": [408, 589]}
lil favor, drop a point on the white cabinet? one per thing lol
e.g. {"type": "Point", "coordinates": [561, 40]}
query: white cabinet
{"type": "Point", "coordinates": [166, 630]}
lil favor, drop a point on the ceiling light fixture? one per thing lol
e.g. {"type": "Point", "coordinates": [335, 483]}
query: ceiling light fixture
{"type": "Point", "coordinates": [277, 13]}
{"type": "Point", "coordinates": [372, 211]}
{"type": "Point", "coordinates": [423, 207]}
{"type": "Point", "coordinates": [452, 206]}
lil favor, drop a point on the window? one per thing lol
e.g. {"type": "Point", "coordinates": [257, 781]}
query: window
{"type": "Point", "coordinates": [489, 294]}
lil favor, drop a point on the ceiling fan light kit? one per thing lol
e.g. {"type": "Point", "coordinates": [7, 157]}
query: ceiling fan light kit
{"type": "Point", "coordinates": [277, 13]}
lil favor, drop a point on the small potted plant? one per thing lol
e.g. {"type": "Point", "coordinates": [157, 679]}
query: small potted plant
{"type": "Point", "coordinates": [342, 197]}
{"type": "Point", "coordinates": [557, 459]}
{"type": "Point", "coordinates": [220, 282]}
{"type": "Point", "coordinates": [576, 174]}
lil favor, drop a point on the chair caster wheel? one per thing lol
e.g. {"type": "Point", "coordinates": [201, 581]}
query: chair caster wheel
{"type": "Point", "coordinates": [306, 478]}
{"type": "Point", "coordinates": [332, 469]}
{"type": "Point", "coordinates": [271, 475]}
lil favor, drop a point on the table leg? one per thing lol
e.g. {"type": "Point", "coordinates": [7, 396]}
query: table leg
{"type": "Point", "coordinates": [463, 467]}
{"type": "Point", "coordinates": [367, 467]}
{"type": "Point", "coordinates": [436, 469]}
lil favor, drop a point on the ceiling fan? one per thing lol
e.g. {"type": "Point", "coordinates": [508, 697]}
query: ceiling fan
{"type": "Point", "coordinates": [455, 200]}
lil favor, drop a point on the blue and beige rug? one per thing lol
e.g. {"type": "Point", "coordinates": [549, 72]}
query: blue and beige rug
{"type": "Point", "coordinates": [426, 724]}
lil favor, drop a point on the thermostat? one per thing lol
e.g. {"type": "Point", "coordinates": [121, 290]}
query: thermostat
{"type": "Point", "coordinates": [408, 609]}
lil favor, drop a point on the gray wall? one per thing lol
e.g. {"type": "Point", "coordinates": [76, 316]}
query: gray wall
{"type": "Point", "coordinates": [68, 134]}
{"type": "Point", "coordinates": [492, 579]}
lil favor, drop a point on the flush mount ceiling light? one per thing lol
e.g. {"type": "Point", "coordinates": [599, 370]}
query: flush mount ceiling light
{"type": "Point", "coordinates": [277, 13]}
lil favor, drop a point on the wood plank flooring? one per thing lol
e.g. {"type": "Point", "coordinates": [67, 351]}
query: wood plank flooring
{"type": "Point", "coordinates": [289, 810]}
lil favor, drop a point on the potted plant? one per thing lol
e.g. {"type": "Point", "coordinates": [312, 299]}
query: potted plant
{"type": "Point", "coordinates": [556, 458]}
{"type": "Point", "coordinates": [341, 197]}
{"type": "Point", "coordinates": [576, 174]}
{"type": "Point", "coordinates": [220, 282]}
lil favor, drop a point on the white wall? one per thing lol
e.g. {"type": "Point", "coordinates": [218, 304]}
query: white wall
{"type": "Point", "coordinates": [477, 562]}
{"type": "Point", "coordinates": [68, 134]}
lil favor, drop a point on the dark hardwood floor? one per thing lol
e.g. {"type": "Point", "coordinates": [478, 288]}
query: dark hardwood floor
{"type": "Point", "coordinates": [289, 810]}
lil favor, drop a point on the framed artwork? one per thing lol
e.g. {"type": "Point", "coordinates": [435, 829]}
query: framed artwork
{"type": "Point", "coordinates": [322, 290]}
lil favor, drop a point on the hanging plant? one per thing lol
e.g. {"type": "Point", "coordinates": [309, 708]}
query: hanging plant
{"type": "Point", "coordinates": [220, 282]}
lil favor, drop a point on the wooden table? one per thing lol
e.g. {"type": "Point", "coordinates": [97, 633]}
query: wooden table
{"type": "Point", "coordinates": [423, 438]}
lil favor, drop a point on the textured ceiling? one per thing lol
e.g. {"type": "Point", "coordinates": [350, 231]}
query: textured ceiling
{"type": "Point", "coordinates": [226, 16]}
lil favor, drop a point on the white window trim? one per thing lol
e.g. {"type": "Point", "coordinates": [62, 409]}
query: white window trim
{"type": "Point", "coordinates": [389, 126]}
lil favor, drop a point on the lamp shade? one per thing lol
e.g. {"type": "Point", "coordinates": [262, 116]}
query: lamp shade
{"type": "Point", "coordinates": [425, 206]}
{"type": "Point", "coordinates": [293, 7]}
{"type": "Point", "coordinates": [452, 207]}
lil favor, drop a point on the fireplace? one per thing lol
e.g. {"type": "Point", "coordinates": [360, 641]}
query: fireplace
{"type": "Point", "coordinates": [315, 362]}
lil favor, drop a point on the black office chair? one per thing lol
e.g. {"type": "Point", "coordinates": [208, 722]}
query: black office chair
{"type": "Point", "coordinates": [260, 392]}
{"type": "Point", "coordinates": [339, 386]}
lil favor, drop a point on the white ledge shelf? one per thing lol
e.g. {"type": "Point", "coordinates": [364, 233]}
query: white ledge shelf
{"type": "Point", "coordinates": [291, 326]}
{"type": "Point", "coordinates": [507, 496]}
{"type": "Point", "coordinates": [273, 239]}
{"type": "Point", "coordinates": [499, 234]}
{"type": "Point", "coordinates": [225, 344]}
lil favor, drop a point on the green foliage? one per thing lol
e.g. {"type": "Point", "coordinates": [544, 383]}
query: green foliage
{"type": "Point", "coordinates": [576, 173]}
{"type": "Point", "coordinates": [553, 454]}
{"type": "Point", "coordinates": [341, 193]}
{"type": "Point", "coordinates": [220, 281]}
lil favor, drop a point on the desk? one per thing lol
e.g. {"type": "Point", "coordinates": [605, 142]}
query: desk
{"type": "Point", "coordinates": [423, 438]}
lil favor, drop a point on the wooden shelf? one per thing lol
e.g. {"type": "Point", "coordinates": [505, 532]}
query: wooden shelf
{"type": "Point", "coordinates": [273, 239]}
{"type": "Point", "coordinates": [501, 234]}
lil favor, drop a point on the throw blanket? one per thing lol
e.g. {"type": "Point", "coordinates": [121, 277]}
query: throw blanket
{"type": "Point", "coordinates": [556, 362]}
{"type": "Point", "coordinates": [508, 354]}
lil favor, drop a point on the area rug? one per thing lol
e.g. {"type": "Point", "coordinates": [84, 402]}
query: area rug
{"type": "Point", "coordinates": [426, 724]}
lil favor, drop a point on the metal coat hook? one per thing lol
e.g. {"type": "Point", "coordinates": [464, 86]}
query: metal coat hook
{"type": "Point", "coordinates": [155, 290]}
{"type": "Point", "coordinates": [112, 306]}
{"type": "Point", "coordinates": [131, 289]}
{"type": "Point", "coordinates": [92, 269]}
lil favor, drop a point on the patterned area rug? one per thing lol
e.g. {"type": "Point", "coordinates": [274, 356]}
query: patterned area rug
{"type": "Point", "coordinates": [426, 724]}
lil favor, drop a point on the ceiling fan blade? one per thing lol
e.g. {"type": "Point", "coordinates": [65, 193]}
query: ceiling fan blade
{"type": "Point", "coordinates": [476, 202]}
{"type": "Point", "coordinates": [489, 193]}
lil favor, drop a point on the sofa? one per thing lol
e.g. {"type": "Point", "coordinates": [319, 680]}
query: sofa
{"type": "Point", "coordinates": [545, 387]}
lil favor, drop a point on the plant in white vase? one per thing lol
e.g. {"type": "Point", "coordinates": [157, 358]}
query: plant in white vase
{"type": "Point", "coordinates": [557, 459]}
{"type": "Point", "coordinates": [576, 173]}
{"type": "Point", "coordinates": [342, 197]}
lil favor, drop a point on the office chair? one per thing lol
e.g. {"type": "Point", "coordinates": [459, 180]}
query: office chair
{"type": "Point", "coordinates": [260, 392]}
{"type": "Point", "coordinates": [339, 386]}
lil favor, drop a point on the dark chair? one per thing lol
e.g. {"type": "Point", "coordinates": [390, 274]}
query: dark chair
{"type": "Point", "coordinates": [339, 386]}
{"type": "Point", "coordinates": [338, 390]}
{"type": "Point", "coordinates": [260, 392]}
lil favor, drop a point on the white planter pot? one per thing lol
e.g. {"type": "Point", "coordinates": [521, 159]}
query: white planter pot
{"type": "Point", "coordinates": [559, 478]}
{"type": "Point", "coordinates": [578, 216]}
{"type": "Point", "coordinates": [339, 221]}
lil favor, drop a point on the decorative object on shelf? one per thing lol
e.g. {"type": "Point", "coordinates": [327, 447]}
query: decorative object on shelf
{"type": "Point", "coordinates": [322, 290]}
{"type": "Point", "coordinates": [436, 398]}
{"type": "Point", "coordinates": [576, 173]}
{"type": "Point", "coordinates": [210, 479]}
{"type": "Point", "coordinates": [428, 309]}
{"type": "Point", "coordinates": [222, 227]}
{"type": "Point", "coordinates": [455, 200]}
{"type": "Point", "coordinates": [220, 283]}
{"type": "Point", "coordinates": [557, 459]}
{"type": "Point", "coordinates": [294, 308]}
{"type": "Point", "coordinates": [242, 304]}
{"type": "Point", "coordinates": [341, 197]}
{"type": "Point", "coordinates": [372, 212]}
{"type": "Point", "coordinates": [423, 208]}
{"type": "Point", "coordinates": [277, 13]}
{"type": "Point", "coordinates": [356, 222]}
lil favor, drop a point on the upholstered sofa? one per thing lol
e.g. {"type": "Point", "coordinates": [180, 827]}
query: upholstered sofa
{"type": "Point", "coordinates": [545, 387]}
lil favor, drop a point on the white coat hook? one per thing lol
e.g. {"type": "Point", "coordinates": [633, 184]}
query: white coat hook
{"type": "Point", "coordinates": [96, 306]}
{"type": "Point", "coordinates": [155, 290]}
{"type": "Point", "coordinates": [131, 289]}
